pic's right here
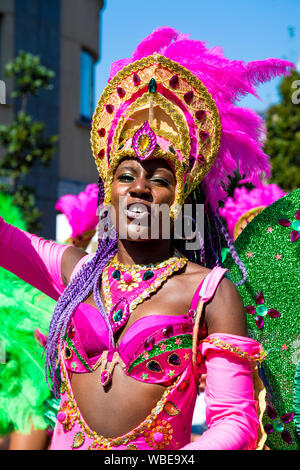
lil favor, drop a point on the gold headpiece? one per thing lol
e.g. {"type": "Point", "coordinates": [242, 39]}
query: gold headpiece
{"type": "Point", "coordinates": [155, 108]}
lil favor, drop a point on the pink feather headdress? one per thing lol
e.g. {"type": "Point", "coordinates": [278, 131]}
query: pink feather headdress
{"type": "Point", "coordinates": [245, 204]}
{"type": "Point", "coordinates": [81, 213]}
{"type": "Point", "coordinates": [242, 130]}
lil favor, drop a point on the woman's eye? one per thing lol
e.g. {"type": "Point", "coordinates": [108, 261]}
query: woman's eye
{"type": "Point", "coordinates": [161, 181]}
{"type": "Point", "coordinates": [125, 177]}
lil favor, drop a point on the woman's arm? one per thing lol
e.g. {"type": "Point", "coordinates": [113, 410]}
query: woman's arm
{"type": "Point", "coordinates": [33, 259]}
{"type": "Point", "coordinates": [224, 313]}
{"type": "Point", "coordinates": [231, 407]}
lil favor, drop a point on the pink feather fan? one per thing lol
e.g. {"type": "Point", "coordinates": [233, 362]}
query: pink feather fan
{"type": "Point", "coordinates": [227, 81]}
{"type": "Point", "coordinates": [244, 200]}
{"type": "Point", "coordinates": [80, 210]}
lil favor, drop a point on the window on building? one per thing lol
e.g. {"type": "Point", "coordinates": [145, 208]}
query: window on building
{"type": "Point", "coordinates": [2, 83]}
{"type": "Point", "coordinates": [1, 46]}
{"type": "Point", "coordinates": [87, 72]}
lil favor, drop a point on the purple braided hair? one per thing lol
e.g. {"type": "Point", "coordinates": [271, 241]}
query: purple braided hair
{"type": "Point", "coordinates": [233, 252]}
{"type": "Point", "coordinates": [214, 244]}
{"type": "Point", "coordinates": [85, 281]}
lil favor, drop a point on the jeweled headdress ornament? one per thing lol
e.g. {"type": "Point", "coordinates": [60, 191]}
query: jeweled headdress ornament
{"type": "Point", "coordinates": [174, 100]}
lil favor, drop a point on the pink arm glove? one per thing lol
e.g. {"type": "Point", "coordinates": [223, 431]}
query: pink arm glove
{"type": "Point", "coordinates": [231, 408]}
{"type": "Point", "coordinates": [33, 259]}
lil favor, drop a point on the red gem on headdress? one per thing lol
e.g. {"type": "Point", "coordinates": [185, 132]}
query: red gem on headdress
{"type": "Point", "coordinates": [101, 153]}
{"type": "Point", "coordinates": [121, 92]}
{"type": "Point", "coordinates": [204, 136]}
{"type": "Point", "coordinates": [200, 114]}
{"type": "Point", "coordinates": [109, 108]}
{"type": "Point", "coordinates": [101, 132]}
{"type": "Point", "coordinates": [174, 81]}
{"type": "Point", "coordinates": [136, 79]}
{"type": "Point", "coordinates": [188, 97]}
{"type": "Point", "coordinates": [201, 159]}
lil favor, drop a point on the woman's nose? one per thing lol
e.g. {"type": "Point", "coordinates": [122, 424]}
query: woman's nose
{"type": "Point", "coordinates": [141, 188]}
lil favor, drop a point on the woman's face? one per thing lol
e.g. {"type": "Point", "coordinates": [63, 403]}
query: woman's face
{"type": "Point", "coordinates": [141, 195]}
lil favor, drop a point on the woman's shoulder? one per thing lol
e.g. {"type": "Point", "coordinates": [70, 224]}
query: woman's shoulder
{"type": "Point", "coordinates": [70, 259]}
{"type": "Point", "coordinates": [225, 290]}
{"type": "Point", "coordinates": [224, 312]}
{"type": "Point", "coordinates": [197, 273]}
{"type": "Point", "coordinates": [194, 269]}
{"type": "Point", "coordinates": [191, 278]}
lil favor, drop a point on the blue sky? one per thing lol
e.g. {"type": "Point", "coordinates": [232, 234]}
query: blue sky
{"type": "Point", "coordinates": [246, 29]}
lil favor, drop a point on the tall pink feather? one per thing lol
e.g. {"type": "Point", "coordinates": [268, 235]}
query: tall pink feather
{"type": "Point", "coordinates": [263, 70]}
{"type": "Point", "coordinates": [155, 42]}
{"type": "Point", "coordinates": [243, 130]}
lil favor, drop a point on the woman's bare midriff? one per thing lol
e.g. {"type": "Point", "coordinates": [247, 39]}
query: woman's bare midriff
{"type": "Point", "coordinates": [120, 407]}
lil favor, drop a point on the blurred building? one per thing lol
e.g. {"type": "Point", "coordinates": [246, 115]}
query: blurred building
{"type": "Point", "coordinates": [65, 34]}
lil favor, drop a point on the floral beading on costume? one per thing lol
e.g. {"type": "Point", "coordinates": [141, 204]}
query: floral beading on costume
{"type": "Point", "coordinates": [159, 434]}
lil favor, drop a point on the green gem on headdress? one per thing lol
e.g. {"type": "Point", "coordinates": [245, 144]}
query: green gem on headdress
{"type": "Point", "coordinates": [152, 86]}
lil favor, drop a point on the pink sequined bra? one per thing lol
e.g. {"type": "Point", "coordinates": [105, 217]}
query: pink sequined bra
{"type": "Point", "coordinates": [154, 349]}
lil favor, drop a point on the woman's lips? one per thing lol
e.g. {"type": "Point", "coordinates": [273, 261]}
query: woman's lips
{"type": "Point", "coordinates": [137, 211]}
